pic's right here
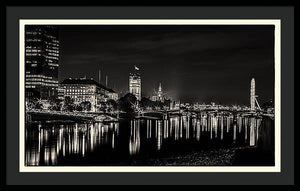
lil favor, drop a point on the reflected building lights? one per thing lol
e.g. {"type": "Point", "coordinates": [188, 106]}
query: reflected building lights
{"type": "Point", "coordinates": [194, 124]}
{"type": "Point", "coordinates": [246, 129]}
{"type": "Point", "coordinates": [171, 126]}
{"type": "Point", "coordinates": [83, 145]}
{"type": "Point", "coordinates": [176, 123]}
{"type": "Point", "coordinates": [210, 127]}
{"type": "Point", "coordinates": [234, 132]}
{"type": "Point", "coordinates": [228, 124]}
{"type": "Point", "coordinates": [222, 130]}
{"type": "Point", "coordinates": [252, 131]}
{"type": "Point", "coordinates": [149, 129]}
{"type": "Point", "coordinates": [113, 141]}
{"type": "Point", "coordinates": [239, 119]}
{"type": "Point", "coordinates": [47, 155]}
{"type": "Point", "coordinates": [181, 121]}
{"type": "Point", "coordinates": [54, 144]}
{"type": "Point", "coordinates": [204, 123]}
{"type": "Point", "coordinates": [165, 129]}
{"type": "Point", "coordinates": [257, 128]}
{"type": "Point", "coordinates": [167, 124]}
{"type": "Point", "coordinates": [159, 135]}
{"type": "Point", "coordinates": [215, 126]}
{"type": "Point", "coordinates": [187, 128]}
{"type": "Point", "coordinates": [198, 131]}
{"type": "Point", "coordinates": [53, 155]}
{"type": "Point", "coordinates": [68, 141]}
{"type": "Point", "coordinates": [134, 139]}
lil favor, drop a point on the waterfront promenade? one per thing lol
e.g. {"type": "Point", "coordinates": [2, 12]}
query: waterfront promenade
{"type": "Point", "coordinates": [36, 115]}
{"type": "Point", "coordinates": [44, 115]}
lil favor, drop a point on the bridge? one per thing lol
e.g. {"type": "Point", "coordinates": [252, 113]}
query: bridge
{"type": "Point", "coordinates": [166, 114]}
{"type": "Point", "coordinates": [255, 109]}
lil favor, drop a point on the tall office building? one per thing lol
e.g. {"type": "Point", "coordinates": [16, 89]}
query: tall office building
{"type": "Point", "coordinates": [135, 86]}
{"type": "Point", "coordinates": [41, 61]}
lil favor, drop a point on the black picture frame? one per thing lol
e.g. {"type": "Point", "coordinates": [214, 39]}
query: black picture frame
{"type": "Point", "coordinates": [10, 135]}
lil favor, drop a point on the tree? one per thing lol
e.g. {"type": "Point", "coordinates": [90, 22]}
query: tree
{"type": "Point", "coordinates": [103, 106]}
{"type": "Point", "coordinates": [32, 103]}
{"type": "Point", "coordinates": [167, 103]}
{"type": "Point", "coordinates": [158, 105]}
{"type": "Point", "coordinates": [112, 104]}
{"type": "Point", "coordinates": [127, 103]}
{"type": "Point", "coordinates": [146, 103]}
{"type": "Point", "coordinates": [39, 103]}
{"type": "Point", "coordinates": [68, 104]}
{"type": "Point", "coordinates": [78, 107]}
{"type": "Point", "coordinates": [55, 104]}
{"type": "Point", "coordinates": [86, 106]}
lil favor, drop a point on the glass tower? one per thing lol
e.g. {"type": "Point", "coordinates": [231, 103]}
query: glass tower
{"type": "Point", "coordinates": [41, 61]}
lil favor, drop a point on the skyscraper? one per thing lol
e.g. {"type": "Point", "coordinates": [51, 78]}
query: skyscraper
{"type": "Point", "coordinates": [41, 61]}
{"type": "Point", "coordinates": [135, 86]}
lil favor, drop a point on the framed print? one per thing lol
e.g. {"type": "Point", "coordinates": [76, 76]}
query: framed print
{"type": "Point", "coordinates": [188, 95]}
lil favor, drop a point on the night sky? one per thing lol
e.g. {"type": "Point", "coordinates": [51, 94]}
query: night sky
{"type": "Point", "coordinates": [193, 63]}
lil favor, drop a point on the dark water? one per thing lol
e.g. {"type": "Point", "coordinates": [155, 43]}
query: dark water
{"type": "Point", "coordinates": [133, 142]}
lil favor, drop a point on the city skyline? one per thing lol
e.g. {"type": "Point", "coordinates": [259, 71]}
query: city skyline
{"type": "Point", "coordinates": [196, 79]}
{"type": "Point", "coordinates": [194, 63]}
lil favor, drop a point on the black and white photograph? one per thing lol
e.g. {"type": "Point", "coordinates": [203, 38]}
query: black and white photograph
{"type": "Point", "coordinates": [141, 95]}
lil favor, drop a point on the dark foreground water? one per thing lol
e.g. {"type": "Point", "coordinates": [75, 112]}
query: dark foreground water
{"type": "Point", "coordinates": [177, 141]}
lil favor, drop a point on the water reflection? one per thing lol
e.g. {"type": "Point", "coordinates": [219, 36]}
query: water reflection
{"type": "Point", "coordinates": [50, 144]}
{"type": "Point", "coordinates": [198, 130]}
{"type": "Point", "coordinates": [45, 145]}
{"type": "Point", "coordinates": [134, 140]}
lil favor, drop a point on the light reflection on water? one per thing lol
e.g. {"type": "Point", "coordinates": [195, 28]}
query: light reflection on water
{"type": "Point", "coordinates": [49, 144]}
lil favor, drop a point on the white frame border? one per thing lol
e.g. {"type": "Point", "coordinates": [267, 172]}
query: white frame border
{"type": "Point", "coordinates": [277, 59]}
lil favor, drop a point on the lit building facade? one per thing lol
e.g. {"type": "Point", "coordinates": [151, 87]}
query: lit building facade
{"type": "Point", "coordinates": [111, 94]}
{"type": "Point", "coordinates": [135, 86]}
{"type": "Point", "coordinates": [86, 90]}
{"type": "Point", "coordinates": [83, 90]}
{"type": "Point", "coordinates": [41, 61]}
{"type": "Point", "coordinates": [158, 95]}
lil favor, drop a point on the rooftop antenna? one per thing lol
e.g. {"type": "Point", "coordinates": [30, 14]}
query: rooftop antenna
{"type": "Point", "coordinates": [106, 80]}
{"type": "Point", "coordinates": [99, 76]}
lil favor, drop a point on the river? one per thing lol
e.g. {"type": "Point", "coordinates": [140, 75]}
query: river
{"type": "Point", "coordinates": [140, 142]}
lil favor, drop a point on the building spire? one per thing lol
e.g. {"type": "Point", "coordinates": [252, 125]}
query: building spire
{"type": "Point", "coordinates": [159, 88]}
